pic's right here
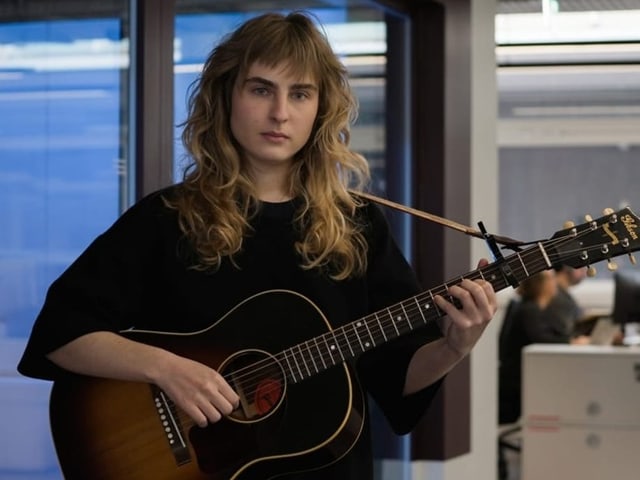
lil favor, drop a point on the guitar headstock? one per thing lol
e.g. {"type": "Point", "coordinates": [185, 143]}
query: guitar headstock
{"type": "Point", "coordinates": [609, 236]}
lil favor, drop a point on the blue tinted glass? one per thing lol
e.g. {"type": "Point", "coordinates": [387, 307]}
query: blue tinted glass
{"type": "Point", "coordinates": [60, 151]}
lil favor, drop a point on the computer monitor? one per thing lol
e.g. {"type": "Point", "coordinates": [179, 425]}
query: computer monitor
{"type": "Point", "coordinates": [626, 301]}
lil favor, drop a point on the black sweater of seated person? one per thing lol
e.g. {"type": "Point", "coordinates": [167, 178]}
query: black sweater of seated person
{"type": "Point", "coordinates": [136, 275]}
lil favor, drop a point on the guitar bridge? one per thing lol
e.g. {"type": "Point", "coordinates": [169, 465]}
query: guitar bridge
{"type": "Point", "coordinates": [171, 425]}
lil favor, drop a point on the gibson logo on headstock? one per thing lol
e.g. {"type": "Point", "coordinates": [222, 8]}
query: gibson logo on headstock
{"type": "Point", "coordinates": [630, 225]}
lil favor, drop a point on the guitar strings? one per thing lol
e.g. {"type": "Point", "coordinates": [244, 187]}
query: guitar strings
{"type": "Point", "coordinates": [288, 358]}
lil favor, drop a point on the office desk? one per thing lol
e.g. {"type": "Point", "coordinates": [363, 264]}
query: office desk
{"type": "Point", "coordinates": [581, 412]}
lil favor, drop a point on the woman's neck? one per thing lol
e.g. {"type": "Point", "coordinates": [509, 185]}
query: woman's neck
{"type": "Point", "coordinates": [272, 187]}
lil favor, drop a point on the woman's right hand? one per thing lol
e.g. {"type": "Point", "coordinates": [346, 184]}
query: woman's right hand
{"type": "Point", "coordinates": [200, 391]}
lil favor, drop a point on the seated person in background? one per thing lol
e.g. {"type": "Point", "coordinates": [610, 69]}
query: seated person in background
{"type": "Point", "coordinates": [523, 324]}
{"type": "Point", "coordinates": [530, 319]}
{"type": "Point", "coordinates": [563, 308]}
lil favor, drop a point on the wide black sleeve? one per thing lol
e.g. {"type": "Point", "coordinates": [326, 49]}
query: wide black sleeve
{"type": "Point", "coordinates": [383, 370]}
{"type": "Point", "coordinates": [100, 290]}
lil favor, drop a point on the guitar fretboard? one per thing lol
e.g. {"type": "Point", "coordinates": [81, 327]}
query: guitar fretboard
{"type": "Point", "coordinates": [351, 340]}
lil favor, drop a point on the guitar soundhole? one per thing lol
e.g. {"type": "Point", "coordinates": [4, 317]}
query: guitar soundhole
{"type": "Point", "coordinates": [259, 380]}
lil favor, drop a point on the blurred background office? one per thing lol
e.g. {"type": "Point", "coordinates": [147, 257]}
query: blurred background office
{"type": "Point", "coordinates": [88, 124]}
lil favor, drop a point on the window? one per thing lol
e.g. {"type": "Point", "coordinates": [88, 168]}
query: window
{"type": "Point", "coordinates": [62, 155]}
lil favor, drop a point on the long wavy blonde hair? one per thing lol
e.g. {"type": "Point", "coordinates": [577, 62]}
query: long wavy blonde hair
{"type": "Point", "coordinates": [217, 198]}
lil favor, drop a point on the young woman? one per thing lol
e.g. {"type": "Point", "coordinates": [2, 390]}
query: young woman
{"type": "Point", "coordinates": [266, 206]}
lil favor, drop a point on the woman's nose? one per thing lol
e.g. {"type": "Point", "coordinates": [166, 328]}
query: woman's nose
{"type": "Point", "coordinates": [280, 108]}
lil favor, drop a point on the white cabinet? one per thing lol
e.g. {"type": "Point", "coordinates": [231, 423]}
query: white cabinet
{"type": "Point", "coordinates": [581, 412]}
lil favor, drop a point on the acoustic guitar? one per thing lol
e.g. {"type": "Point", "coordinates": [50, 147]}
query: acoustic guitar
{"type": "Point", "coordinates": [117, 430]}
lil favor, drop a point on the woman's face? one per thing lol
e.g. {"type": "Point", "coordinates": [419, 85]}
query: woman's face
{"type": "Point", "coordinates": [272, 115]}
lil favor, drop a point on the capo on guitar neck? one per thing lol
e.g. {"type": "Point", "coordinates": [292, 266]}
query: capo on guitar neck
{"type": "Point", "coordinates": [497, 256]}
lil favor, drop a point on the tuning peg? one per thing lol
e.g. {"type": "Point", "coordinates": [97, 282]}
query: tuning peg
{"type": "Point", "coordinates": [612, 266]}
{"type": "Point", "coordinates": [588, 218]}
{"type": "Point", "coordinates": [568, 224]}
{"type": "Point", "coordinates": [591, 271]}
{"type": "Point", "coordinates": [608, 211]}
{"type": "Point", "coordinates": [632, 259]}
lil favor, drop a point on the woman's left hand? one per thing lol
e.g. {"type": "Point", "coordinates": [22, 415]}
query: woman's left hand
{"type": "Point", "coordinates": [462, 327]}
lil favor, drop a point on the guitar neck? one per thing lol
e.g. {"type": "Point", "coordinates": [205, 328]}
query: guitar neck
{"type": "Point", "coordinates": [351, 340]}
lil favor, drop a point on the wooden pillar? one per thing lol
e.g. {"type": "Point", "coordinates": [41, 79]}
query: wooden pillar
{"type": "Point", "coordinates": [152, 69]}
{"type": "Point", "coordinates": [441, 185]}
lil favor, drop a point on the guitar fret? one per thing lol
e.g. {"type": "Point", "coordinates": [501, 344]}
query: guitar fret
{"type": "Point", "coordinates": [433, 302]}
{"type": "Point", "coordinates": [495, 279]}
{"type": "Point", "coordinates": [450, 298]}
{"type": "Point", "coordinates": [291, 372]}
{"type": "Point", "coordinates": [320, 353]}
{"type": "Point", "coordinates": [393, 322]}
{"type": "Point", "coordinates": [544, 255]}
{"type": "Point", "coordinates": [293, 355]}
{"type": "Point", "coordinates": [384, 335]}
{"type": "Point", "coordinates": [344, 334]}
{"type": "Point", "coordinates": [333, 333]}
{"type": "Point", "coordinates": [366, 324]}
{"type": "Point", "coordinates": [304, 361]}
{"type": "Point", "coordinates": [329, 349]}
{"type": "Point", "coordinates": [315, 367]}
{"type": "Point", "coordinates": [356, 324]}
{"type": "Point", "coordinates": [407, 317]}
{"type": "Point", "coordinates": [524, 267]}
{"type": "Point", "coordinates": [424, 320]}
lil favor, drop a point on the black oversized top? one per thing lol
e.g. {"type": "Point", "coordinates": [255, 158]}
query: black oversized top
{"type": "Point", "coordinates": [137, 275]}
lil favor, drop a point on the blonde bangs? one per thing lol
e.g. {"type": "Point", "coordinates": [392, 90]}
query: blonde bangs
{"type": "Point", "coordinates": [288, 44]}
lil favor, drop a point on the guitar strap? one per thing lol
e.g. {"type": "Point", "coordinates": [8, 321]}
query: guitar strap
{"type": "Point", "coordinates": [506, 241]}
